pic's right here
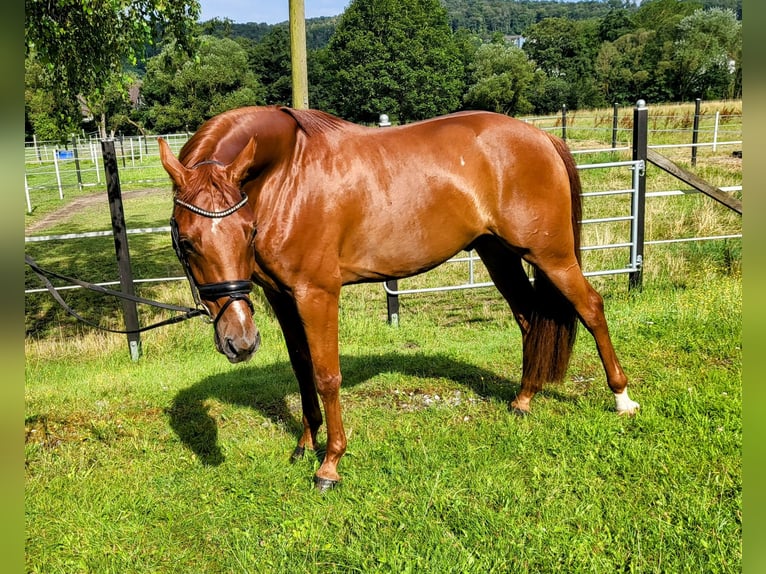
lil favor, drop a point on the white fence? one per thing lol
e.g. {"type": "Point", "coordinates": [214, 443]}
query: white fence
{"type": "Point", "coordinates": [56, 168]}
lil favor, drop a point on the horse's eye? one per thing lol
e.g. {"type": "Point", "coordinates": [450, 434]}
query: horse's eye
{"type": "Point", "coordinates": [186, 246]}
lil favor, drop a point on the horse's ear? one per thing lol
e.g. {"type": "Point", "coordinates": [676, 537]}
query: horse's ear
{"type": "Point", "coordinates": [243, 162]}
{"type": "Point", "coordinates": [175, 168]}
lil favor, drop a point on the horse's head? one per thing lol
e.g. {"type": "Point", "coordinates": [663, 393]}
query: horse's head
{"type": "Point", "coordinates": [213, 230]}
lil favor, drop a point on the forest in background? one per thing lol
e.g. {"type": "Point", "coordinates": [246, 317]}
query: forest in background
{"type": "Point", "coordinates": [483, 17]}
{"type": "Point", "coordinates": [410, 59]}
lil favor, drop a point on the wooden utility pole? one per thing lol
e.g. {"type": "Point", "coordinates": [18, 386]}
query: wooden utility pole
{"type": "Point", "coordinates": [298, 55]}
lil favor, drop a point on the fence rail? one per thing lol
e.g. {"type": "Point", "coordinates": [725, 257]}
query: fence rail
{"type": "Point", "coordinates": [50, 167]}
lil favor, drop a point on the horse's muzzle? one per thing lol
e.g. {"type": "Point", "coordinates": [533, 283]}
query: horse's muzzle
{"type": "Point", "coordinates": [236, 335]}
{"type": "Point", "coordinates": [238, 349]}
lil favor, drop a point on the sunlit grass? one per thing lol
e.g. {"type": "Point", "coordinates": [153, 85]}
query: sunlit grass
{"type": "Point", "coordinates": [179, 461]}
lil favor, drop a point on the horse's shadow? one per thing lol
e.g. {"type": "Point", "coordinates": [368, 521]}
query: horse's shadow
{"type": "Point", "coordinates": [265, 389]}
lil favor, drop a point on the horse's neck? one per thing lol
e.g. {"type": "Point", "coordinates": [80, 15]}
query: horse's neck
{"type": "Point", "coordinates": [275, 136]}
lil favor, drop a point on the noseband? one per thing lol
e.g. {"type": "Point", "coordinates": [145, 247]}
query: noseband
{"type": "Point", "coordinates": [237, 290]}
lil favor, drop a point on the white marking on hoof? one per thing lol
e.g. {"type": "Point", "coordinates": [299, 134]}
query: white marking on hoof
{"type": "Point", "coordinates": [624, 404]}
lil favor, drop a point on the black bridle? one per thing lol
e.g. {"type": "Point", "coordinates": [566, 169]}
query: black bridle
{"type": "Point", "coordinates": [237, 290]}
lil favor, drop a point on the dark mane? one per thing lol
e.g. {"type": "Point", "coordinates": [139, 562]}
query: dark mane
{"type": "Point", "coordinates": [315, 122]}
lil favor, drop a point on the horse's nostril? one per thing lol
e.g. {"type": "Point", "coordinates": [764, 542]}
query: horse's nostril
{"type": "Point", "coordinates": [242, 352]}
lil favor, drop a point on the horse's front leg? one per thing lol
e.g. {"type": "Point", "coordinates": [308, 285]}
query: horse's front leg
{"type": "Point", "coordinates": [300, 359]}
{"type": "Point", "coordinates": [318, 310]}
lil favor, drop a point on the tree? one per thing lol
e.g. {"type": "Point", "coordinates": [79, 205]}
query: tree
{"type": "Point", "coordinates": [111, 104]}
{"type": "Point", "coordinates": [485, 17]}
{"type": "Point", "coordinates": [271, 61]}
{"type": "Point", "coordinates": [502, 79]}
{"type": "Point", "coordinates": [320, 81]}
{"type": "Point", "coordinates": [623, 70]}
{"type": "Point", "coordinates": [180, 92]}
{"type": "Point", "coordinates": [710, 41]}
{"type": "Point", "coordinates": [396, 57]}
{"type": "Point", "coordinates": [40, 105]}
{"type": "Point", "coordinates": [566, 51]}
{"type": "Point", "coordinates": [661, 18]}
{"type": "Point", "coordinates": [616, 23]}
{"type": "Point", "coordinates": [218, 27]}
{"type": "Point", "coordinates": [84, 43]}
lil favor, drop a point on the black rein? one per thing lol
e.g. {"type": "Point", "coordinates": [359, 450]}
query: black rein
{"type": "Point", "coordinates": [43, 274]}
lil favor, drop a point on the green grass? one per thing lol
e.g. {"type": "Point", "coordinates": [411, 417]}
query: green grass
{"type": "Point", "coordinates": [178, 463]}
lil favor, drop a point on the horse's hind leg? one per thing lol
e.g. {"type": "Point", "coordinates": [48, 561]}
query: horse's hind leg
{"type": "Point", "coordinates": [565, 274]}
{"type": "Point", "coordinates": [507, 273]}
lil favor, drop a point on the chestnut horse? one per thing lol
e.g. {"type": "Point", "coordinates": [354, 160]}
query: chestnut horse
{"type": "Point", "coordinates": [301, 203]}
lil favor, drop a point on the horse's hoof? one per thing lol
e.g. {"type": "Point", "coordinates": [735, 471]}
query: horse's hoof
{"type": "Point", "coordinates": [629, 412]}
{"type": "Point", "coordinates": [625, 405]}
{"type": "Point", "coordinates": [519, 413]}
{"type": "Point", "coordinates": [324, 484]}
{"type": "Point", "coordinates": [297, 454]}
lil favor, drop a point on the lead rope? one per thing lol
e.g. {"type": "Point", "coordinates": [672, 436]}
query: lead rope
{"type": "Point", "coordinates": [43, 274]}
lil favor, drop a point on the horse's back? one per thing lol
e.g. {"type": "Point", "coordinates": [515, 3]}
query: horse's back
{"type": "Point", "coordinates": [400, 200]}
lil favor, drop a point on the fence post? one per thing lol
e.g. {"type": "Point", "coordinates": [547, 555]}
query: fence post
{"type": "Point", "coordinates": [392, 301]}
{"type": "Point", "coordinates": [122, 150]}
{"type": "Point", "coordinates": [695, 130]}
{"type": "Point", "coordinates": [26, 193]}
{"type": "Point", "coordinates": [640, 145]}
{"type": "Point", "coordinates": [298, 58]}
{"type": "Point", "coordinates": [58, 172]}
{"type": "Point", "coordinates": [114, 193]}
{"type": "Point", "coordinates": [614, 126]}
{"type": "Point", "coordinates": [564, 122]}
{"type": "Point", "coordinates": [715, 129]}
{"type": "Point", "coordinates": [95, 163]}
{"type": "Point", "coordinates": [37, 149]}
{"type": "Point", "coordinates": [76, 161]}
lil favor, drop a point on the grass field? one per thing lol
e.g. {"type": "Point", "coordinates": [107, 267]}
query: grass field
{"type": "Point", "coordinates": [179, 462]}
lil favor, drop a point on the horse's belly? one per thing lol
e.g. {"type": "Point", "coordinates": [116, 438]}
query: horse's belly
{"type": "Point", "coordinates": [409, 244]}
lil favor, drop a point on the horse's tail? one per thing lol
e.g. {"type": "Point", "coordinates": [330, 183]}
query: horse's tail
{"type": "Point", "coordinates": [553, 324]}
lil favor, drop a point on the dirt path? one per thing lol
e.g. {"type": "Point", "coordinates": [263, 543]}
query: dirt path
{"type": "Point", "coordinates": [77, 205]}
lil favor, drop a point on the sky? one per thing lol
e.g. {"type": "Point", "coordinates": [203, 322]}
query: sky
{"type": "Point", "coordinates": [272, 11]}
{"type": "Point", "coordinates": [268, 11]}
